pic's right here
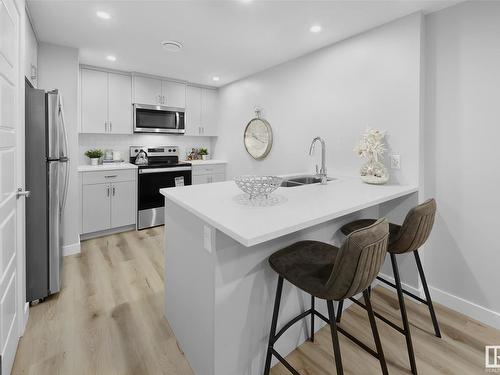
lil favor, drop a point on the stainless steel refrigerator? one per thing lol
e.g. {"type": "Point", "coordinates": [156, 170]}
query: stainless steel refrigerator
{"type": "Point", "coordinates": [47, 168]}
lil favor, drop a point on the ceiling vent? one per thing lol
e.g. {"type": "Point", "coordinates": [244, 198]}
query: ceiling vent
{"type": "Point", "coordinates": [171, 45]}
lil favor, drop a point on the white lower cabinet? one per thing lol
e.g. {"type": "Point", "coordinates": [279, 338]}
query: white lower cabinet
{"type": "Point", "coordinates": [122, 204]}
{"type": "Point", "coordinates": [96, 208]}
{"type": "Point", "coordinates": [108, 200]}
{"type": "Point", "coordinates": [206, 174]}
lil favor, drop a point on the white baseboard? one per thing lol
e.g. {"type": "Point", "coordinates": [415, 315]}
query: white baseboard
{"type": "Point", "coordinates": [407, 287]}
{"type": "Point", "coordinates": [71, 249]}
{"type": "Point", "coordinates": [475, 311]}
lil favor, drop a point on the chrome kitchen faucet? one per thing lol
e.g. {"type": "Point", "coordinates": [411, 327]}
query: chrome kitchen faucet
{"type": "Point", "coordinates": [322, 172]}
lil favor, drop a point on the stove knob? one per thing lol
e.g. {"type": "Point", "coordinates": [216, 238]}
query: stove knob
{"type": "Point", "coordinates": [169, 150]}
{"type": "Point", "coordinates": [136, 150]}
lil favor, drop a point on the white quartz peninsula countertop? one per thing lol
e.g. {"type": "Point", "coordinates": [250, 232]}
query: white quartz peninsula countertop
{"type": "Point", "coordinates": [222, 206]}
{"type": "Point", "coordinates": [106, 167]}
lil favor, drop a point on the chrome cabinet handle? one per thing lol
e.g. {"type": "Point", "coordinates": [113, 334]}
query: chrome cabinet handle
{"type": "Point", "coordinates": [111, 176]}
{"type": "Point", "coordinates": [113, 191]}
{"type": "Point", "coordinates": [107, 191]}
{"type": "Point", "coordinates": [110, 126]}
{"type": "Point", "coordinates": [105, 127]}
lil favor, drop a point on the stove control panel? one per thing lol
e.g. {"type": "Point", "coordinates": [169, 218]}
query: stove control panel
{"type": "Point", "coordinates": [152, 151]}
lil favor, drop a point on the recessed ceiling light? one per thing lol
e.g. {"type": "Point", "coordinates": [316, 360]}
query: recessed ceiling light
{"type": "Point", "coordinates": [171, 45]}
{"type": "Point", "coordinates": [111, 58]}
{"type": "Point", "coordinates": [103, 15]}
{"type": "Point", "coordinates": [315, 28]}
{"type": "Point", "coordinates": [216, 78]}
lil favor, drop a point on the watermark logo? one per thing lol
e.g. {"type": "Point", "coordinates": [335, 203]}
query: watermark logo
{"type": "Point", "coordinates": [492, 358]}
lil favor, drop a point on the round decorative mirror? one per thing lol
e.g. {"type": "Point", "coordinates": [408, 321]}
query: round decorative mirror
{"type": "Point", "coordinates": [258, 137]}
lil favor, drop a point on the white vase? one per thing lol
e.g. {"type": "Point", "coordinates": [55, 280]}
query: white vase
{"type": "Point", "coordinates": [204, 157]}
{"type": "Point", "coordinates": [94, 161]}
{"type": "Point", "coordinates": [374, 172]}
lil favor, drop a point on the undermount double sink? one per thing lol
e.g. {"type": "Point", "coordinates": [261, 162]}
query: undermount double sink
{"type": "Point", "coordinates": [302, 180]}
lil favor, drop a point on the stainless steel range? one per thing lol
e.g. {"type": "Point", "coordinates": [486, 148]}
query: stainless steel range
{"type": "Point", "coordinates": [159, 168]}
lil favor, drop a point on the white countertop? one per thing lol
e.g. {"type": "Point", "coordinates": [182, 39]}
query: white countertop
{"type": "Point", "coordinates": [220, 205]}
{"type": "Point", "coordinates": [206, 162]}
{"type": "Point", "coordinates": [106, 167]}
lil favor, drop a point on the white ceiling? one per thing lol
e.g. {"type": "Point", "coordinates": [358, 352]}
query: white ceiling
{"type": "Point", "coordinates": [230, 39]}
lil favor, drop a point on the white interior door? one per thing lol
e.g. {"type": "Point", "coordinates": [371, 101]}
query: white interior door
{"type": "Point", "coordinates": [9, 126]}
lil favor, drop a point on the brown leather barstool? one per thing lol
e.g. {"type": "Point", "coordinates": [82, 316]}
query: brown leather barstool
{"type": "Point", "coordinates": [403, 239]}
{"type": "Point", "coordinates": [327, 272]}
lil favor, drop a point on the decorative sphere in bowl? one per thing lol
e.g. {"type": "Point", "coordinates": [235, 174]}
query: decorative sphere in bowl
{"type": "Point", "coordinates": [258, 186]}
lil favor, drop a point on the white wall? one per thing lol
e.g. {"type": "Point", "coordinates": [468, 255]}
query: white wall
{"type": "Point", "coordinates": [122, 142]}
{"type": "Point", "coordinates": [31, 52]}
{"type": "Point", "coordinates": [370, 80]}
{"type": "Point", "coordinates": [58, 68]}
{"type": "Point", "coordinates": [461, 137]}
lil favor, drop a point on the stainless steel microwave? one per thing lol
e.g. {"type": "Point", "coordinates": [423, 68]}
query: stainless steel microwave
{"type": "Point", "coordinates": [158, 119]}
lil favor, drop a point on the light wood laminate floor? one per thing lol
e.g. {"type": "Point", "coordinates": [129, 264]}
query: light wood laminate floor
{"type": "Point", "coordinates": [108, 319]}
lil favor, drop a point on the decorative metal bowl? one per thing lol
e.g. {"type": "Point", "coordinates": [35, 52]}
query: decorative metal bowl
{"type": "Point", "coordinates": [258, 186]}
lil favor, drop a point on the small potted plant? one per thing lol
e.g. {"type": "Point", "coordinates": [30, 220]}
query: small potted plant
{"type": "Point", "coordinates": [94, 156]}
{"type": "Point", "coordinates": [203, 152]}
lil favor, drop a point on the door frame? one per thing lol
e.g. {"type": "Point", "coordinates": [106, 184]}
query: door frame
{"type": "Point", "coordinates": [23, 306]}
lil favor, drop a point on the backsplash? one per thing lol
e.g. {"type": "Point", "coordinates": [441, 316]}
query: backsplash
{"type": "Point", "coordinates": [122, 142]}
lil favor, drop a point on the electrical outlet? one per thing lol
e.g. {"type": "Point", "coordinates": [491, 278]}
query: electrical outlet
{"type": "Point", "coordinates": [395, 161]}
{"type": "Point", "coordinates": [208, 235]}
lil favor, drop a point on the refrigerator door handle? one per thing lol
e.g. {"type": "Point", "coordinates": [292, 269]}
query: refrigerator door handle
{"type": "Point", "coordinates": [64, 152]}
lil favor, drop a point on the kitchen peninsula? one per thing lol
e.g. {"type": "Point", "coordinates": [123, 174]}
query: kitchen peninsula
{"type": "Point", "coordinates": [219, 288]}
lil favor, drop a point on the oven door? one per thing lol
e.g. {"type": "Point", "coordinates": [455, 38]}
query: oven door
{"type": "Point", "coordinates": [158, 119]}
{"type": "Point", "coordinates": [150, 202]}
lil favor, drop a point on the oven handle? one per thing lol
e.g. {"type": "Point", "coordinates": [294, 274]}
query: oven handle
{"type": "Point", "coordinates": [164, 170]}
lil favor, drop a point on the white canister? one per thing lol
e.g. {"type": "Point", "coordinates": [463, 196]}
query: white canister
{"type": "Point", "coordinates": [117, 155]}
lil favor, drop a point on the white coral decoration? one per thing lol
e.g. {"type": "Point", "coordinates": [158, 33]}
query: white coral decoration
{"type": "Point", "coordinates": [371, 145]}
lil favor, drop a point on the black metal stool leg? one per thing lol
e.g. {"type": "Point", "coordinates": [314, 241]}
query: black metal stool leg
{"type": "Point", "coordinates": [274, 323]}
{"type": "Point", "coordinates": [376, 336]}
{"type": "Point", "coordinates": [335, 337]}
{"type": "Point", "coordinates": [427, 294]}
{"type": "Point", "coordinates": [339, 310]}
{"type": "Point", "coordinates": [312, 319]}
{"type": "Point", "coordinates": [404, 317]}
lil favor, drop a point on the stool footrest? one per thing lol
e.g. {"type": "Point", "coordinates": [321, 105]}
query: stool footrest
{"type": "Point", "coordinates": [291, 323]}
{"type": "Point", "coordinates": [403, 290]}
{"type": "Point", "coordinates": [381, 317]}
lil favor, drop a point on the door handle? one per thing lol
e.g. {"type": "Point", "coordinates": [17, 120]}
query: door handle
{"type": "Point", "coordinates": [23, 193]}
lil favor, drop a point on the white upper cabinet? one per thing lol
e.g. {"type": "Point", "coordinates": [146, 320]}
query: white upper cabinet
{"type": "Point", "coordinates": [106, 102]}
{"type": "Point", "coordinates": [94, 85]}
{"type": "Point", "coordinates": [154, 91]}
{"type": "Point", "coordinates": [119, 103]}
{"type": "Point", "coordinates": [193, 110]}
{"type": "Point", "coordinates": [201, 111]}
{"type": "Point", "coordinates": [174, 94]}
{"type": "Point", "coordinates": [209, 102]}
{"type": "Point", "coordinates": [147, 90]}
